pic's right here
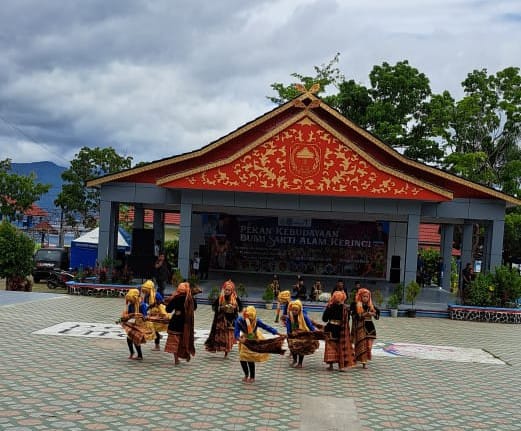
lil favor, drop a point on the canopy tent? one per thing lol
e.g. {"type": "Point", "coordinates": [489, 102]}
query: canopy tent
{"type": "Point", "coordinates": [84, 250]}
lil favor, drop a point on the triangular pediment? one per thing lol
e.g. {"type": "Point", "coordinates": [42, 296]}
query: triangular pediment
{"type": "Point", "coordinates": [305, 156]}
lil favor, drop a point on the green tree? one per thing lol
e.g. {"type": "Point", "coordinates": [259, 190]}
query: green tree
{"type": "Point", "coordinates": [325, 75]}
{"type": "Point", "coordinates": [512, 237]}
{"type": "Point", "coordinates": [484, 133]}
{"type": "Point", "coordinates": [16, 257]}
{"type": "Point", "coordinates": [75, 198]}
{"type": "Point", "coordinates": [18, 192]}
{"type": "Point", "coordinates": [398, 107]}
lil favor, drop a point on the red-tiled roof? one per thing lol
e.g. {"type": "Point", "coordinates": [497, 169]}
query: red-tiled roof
{"type": "Point", "coordinates": [170, 218]}
{"type": "Point", "coordinates": [429, 238]}
{"type": "Point", "coordinates": [36, 211]}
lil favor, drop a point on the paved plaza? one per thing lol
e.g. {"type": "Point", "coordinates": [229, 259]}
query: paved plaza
{"type": "Point", "coordinates": [54, 381]}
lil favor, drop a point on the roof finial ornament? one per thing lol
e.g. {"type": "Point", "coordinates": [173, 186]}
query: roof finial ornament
{"type": "Point", "coordinates": [313, 90]}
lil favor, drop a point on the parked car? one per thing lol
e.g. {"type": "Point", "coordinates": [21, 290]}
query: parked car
{"type": "Point", "coordinates": [46, 260]}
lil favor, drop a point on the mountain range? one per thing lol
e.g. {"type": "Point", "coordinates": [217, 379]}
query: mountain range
{"type": "Point", "coordinates": [46, 173]}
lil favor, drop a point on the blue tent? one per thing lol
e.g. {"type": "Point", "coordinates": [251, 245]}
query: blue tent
{"type": "Point", "coordinates": [84, 250]}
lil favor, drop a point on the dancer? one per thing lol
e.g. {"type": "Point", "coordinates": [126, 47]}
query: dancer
{"type": "Point", "coordinates": [275, 285]}
{"type": "Point", "coordinates": [180, 339]}
{"type": "Point", "coordinates": [226, 308]}
{"type": "Point", "coordinates": [247, 328]}
{"type": "Point", "coordinates": [156, 311]}
{"type": "Point", "coordinates": [338, 343]}
{"type": "Point", "coordinates": [282, 306]}
{"type": "Point", "coordinates": [133, 323]}
{"type": "Point", "coordinates": [363, 329]}
{"type": "Point", "coordinates": [299, 326]}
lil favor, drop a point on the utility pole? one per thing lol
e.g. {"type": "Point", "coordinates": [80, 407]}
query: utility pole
{"type": "Point", "coordinates": [61, 239]}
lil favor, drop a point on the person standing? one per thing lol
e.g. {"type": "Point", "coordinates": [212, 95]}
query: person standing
{"type": "Point", "coordinates": [467, 275]}
{"type": "Point", "coordinates": [338, 348]}
{"type": "Point", "coordinates": [226, 310]}
{"type": "Point", "coordinates": [162, 273]}
{"type": "Point", "coordinates": [196, 263]}
{"type": "Point", "coordinates": [363, 329]}
{"type": "Point", "coordinates": [180, 341]}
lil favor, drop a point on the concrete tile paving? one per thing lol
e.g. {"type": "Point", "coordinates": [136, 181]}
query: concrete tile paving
{"type": "Point", "coordinates": [75, 383]}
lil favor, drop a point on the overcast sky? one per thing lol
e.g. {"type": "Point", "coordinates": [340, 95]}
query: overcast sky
{"type": "Point", "coordinates": [153, 79]}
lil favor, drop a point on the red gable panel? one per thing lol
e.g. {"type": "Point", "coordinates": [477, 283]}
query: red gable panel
{"type": "Point", "coordinates": [305, 158]}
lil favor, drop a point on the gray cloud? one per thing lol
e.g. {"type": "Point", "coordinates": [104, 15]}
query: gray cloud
{"type": "Point", "coordinates": [158, 78]}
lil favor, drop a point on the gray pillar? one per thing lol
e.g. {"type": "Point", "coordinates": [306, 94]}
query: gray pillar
{"type": "Point", "coordinates": [139, 217]}
{"type": "Point", "coordinates": [185, 229]}
{"type": "Point", "coordinates": [466, 247]}
{"type": "Point", "coordinates": [447, 238]}
{"type": "Point", "coordinates": [411, 248]}
{"type": "Point", "coordinates": [108, 230]}
{"type": "Point", "coordinates": [159, 227]}
{"type": "Point", "coordinates": [496, 230]}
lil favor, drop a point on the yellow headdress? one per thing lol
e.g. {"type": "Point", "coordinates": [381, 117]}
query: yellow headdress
{"type": "Point", "coordinates": [297, 305]}
{"type": "Point", "coordinates": [148, 288]}
{"type": "Point", "coordinates": [284, 296]}
{"type": "Point", "coordinates": [132, 297]}
{"type": "Point", "coordinates": [250, 314]}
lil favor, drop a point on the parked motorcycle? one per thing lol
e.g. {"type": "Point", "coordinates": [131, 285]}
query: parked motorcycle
{"type": "Point", "coordinates": [59, 278]}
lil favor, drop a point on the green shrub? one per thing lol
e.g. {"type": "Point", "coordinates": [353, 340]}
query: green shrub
{"type": "Point", "coordinates": [481, 291]}
{"type": "Point", "coordinates": [498, 289]}
{"type": "Point", "coordinates": [16, 257]}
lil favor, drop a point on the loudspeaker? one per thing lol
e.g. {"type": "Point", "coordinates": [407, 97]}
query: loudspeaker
{"type": "Point", "coordinates": [394, 273]}
{"type": "Point", "coordinates": [141, 266]}
{"type": "Point", "coordinates": [142, 242]}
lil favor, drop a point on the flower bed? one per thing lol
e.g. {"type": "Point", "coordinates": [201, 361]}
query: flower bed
{"type": "Point", "coordinates": [98, 289]}
{"type": "Point", "coordinates": [484, 314]}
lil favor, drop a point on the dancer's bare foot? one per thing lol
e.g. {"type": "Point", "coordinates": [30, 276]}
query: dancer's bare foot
{"type": "Point", "coordinates": [250, 380]}
{"type": "Point", "coordinates": [298, 366]}
{"type": "Point", "coordinates": [177, 362]}
{"type": "Point", "coordinates": [131, 356]}
{"type": "Point", "coordinates": [156, 349]}
{"type": "Point", "coordinates": [245, 379]}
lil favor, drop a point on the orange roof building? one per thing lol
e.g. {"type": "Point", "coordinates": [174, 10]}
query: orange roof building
{"type": "Point", "coordinates": [303, 189]}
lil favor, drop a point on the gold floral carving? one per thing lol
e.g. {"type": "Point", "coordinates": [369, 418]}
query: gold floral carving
{"type": "Point", "coordinates": [305, 158]}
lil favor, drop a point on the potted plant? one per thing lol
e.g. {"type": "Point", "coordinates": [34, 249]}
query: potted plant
{"type": "Point", "coordinates": [213, 294]}
{"type": "Point", "coordinates": [241, 291]}
{"type": "Point", "coordinates": [412, 290]}
{"type": "Point", "coordinates": [268, 296]}
{"type": "Point", "coordinates": [378, 298]}
{"type": "Point", "coordinates": [392, 302]}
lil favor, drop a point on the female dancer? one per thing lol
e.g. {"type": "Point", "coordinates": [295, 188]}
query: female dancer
{"type": "Point", "coordinates": [226, 310]}
{"type": "Point", "coordinates": [247, 328]}
{"type": "Point", "coordinates": [298, 325]}
{"type": "Point", "coordinates": [338, 344]}
{"type": "Point", "coordinates": [133, 322]}
{"type": "Point", "coordinates": [180, 339]}
{"type": "Point", "coordinates": [363, 329]}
